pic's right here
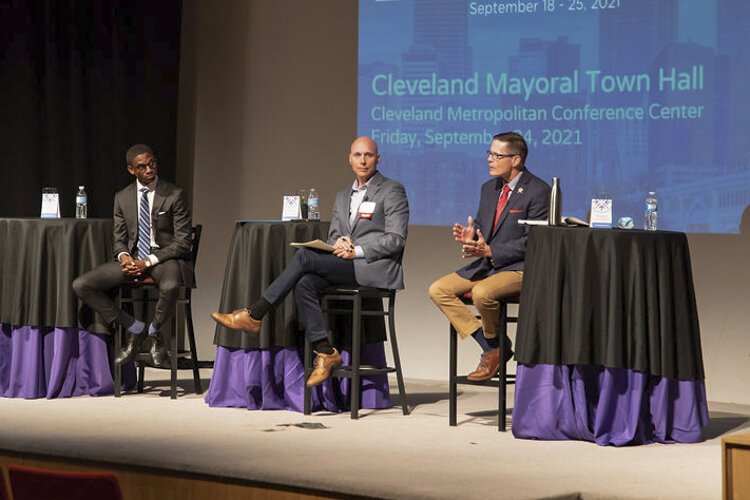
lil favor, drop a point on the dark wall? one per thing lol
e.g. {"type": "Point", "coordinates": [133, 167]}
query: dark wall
{"type": "Point", "coordinates": [80, 81]}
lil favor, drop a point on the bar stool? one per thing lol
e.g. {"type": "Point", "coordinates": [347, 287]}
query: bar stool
{"type": "Point", "coordinates": [501, 380]}
{"type": "Point", "coordinates": [355, 371]}
{"type": "Point", "coordinates": [179, 359]}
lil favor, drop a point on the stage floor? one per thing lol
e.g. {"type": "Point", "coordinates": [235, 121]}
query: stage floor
{"type": "Point", "coordinates": [384, 454]}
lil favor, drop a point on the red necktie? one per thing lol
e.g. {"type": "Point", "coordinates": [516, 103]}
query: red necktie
{"type": "Point", "coordinates": [501, 202]}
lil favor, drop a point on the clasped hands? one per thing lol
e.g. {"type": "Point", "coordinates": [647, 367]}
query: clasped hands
{"type": "Point", "coordinates": [344, 248]}
{"type": "Point", "coordinates": [132, 267]}
{"type": "Point", "coordinates": [472, 241]}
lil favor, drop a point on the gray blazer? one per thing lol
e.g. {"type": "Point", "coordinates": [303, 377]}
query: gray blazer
{"type": "Point", "coordinates": [170, 218]}
{"type": "Point", "coordinates": [382, 238]}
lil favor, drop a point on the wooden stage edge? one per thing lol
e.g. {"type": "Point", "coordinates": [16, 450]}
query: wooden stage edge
{"type": "Point", "coordinates": [161, 484]}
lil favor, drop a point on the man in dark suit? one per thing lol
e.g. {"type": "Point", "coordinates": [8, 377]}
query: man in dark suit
{"type": "Point", "coordinates": [499, 242]}
{"type": "Point", "coordinates": [152, 237]}
{"type": "Point", "coordinates": [368, 234]}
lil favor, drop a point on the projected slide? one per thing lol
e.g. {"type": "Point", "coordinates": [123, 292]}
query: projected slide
{"type": "Point", "coordinates": [613, 96]}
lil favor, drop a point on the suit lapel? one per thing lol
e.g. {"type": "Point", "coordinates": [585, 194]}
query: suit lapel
{"type": "Point", "coordinates": [516, 200]}
{"type": "Point", "coordinates": [160, 196]}
{"type": "Point", "coordinates": [372, 189]}
{"type": "Point", "coordinates": [130, 210]}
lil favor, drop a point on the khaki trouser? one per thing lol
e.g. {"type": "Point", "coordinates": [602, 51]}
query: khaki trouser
{"type": "Point", "coordinates": [446, 293]}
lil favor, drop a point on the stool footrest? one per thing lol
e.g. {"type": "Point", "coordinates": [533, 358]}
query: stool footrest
{"type": "Point", "coordinates": [510, 379]}
{"type": "Point", "coordinates": [364, 370]}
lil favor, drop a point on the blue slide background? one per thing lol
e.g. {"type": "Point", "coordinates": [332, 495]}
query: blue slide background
{"type": "Point", "coordinates": [698, 166]}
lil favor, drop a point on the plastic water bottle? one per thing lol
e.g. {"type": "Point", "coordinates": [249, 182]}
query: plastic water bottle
{"type": "Point", "coordinates": [650, 217]}
{"type": "Point", "coordinates": [313, 213]}
{"type": "Point", "coordinates": [82, 203]}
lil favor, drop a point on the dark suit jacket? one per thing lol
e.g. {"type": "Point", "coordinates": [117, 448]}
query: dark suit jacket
{"type": "Point", "coordinates": [170, 218]}
{"type": "Point", "coordinates": [508, 240]}
{"type": "Point", "coordinates": [382, 238]}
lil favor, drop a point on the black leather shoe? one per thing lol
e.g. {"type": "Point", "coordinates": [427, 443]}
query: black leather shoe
{"type": "Point", "coordinates": [158, 352]}
{"type": "Point", "coordinates": [135, 342]}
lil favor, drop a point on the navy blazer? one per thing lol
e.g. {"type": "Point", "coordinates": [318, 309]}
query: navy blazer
{"type": "Point", "coordinates": [508, 240]}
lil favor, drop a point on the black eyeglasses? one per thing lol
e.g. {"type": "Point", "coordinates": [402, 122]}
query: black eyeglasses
{"type": "Point", "coordinates": [141, 167]}
{"type": "Point", "coordinates": [500, 156]}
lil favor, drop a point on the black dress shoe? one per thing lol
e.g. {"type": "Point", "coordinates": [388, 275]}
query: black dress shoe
{"type": "Point", "coordinates": [158, 352]}
{"type": "Point", "coordinates": [135, 342]}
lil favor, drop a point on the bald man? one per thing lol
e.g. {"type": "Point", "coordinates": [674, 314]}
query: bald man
{"type": "Point", "coordinates": [368, 233]}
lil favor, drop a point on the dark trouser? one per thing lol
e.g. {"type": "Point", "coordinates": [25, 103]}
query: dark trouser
{"type": "Point", "coordinates": [91, 287]}
{"type": "Point", "coordinates": [309, 274]}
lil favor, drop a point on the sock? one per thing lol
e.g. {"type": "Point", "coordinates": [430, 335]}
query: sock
{"type": "Point", "coordinates": [494, 342]}
{"type": "Point", "coordinates": [322, 346]}
{"type": "Point", "coordinates": [482, 341]}
{"type": "Point", "coordinates": [153, 330]}
{"type": "Point", "coordinates": [260, 308]}
{"type": "Point", "coordinates": [136, 327]}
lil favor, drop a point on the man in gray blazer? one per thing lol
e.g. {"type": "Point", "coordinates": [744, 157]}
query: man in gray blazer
{"type": "Point", "coordinates": [152, 238]}
{"type": "Point", "coordinates": [368, 234]}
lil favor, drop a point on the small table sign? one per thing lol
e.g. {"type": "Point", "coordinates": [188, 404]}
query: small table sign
{"type": "Point", "coordinates": [50, 204]}
{"type": "Point", "coordinates": [292, 208]}
{"type": "Point", "coordinates": [601, 212]}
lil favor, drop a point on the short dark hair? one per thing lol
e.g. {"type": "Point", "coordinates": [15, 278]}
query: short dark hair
{"type": "Point", "coordinates": [136, 150]}
{"type": "Point", "coordinates": [516, 144]}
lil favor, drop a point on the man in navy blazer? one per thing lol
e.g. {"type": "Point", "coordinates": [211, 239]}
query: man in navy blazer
{"type": "Point", "coordinates": [498, 243]}
{"type": "Point", "coordinates": [368, 235]}
{"type": "Point", "coordinates": [152, 237]}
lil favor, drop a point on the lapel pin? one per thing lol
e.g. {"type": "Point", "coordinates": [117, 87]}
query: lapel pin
{"type": "Point", "coordinates": [520, 190]}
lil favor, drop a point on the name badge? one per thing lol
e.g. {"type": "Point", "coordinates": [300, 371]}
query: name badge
{"type": "Point", "coordinates": [366, 209]}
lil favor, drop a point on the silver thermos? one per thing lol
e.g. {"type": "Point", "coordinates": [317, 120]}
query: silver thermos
{"type": "Point", "coordinates": [555, 204]}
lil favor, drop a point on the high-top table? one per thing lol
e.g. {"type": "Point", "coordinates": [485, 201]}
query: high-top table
{"type": "Point", "coordinates": [266, 371]}
{"type": "Point", "coordinates": [608, 342]}
{"type": "Point", "coordinates": [51, 346]}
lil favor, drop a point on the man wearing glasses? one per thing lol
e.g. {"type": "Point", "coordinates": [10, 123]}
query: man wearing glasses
{"type": "Point", "coordinates": [368, 235]}
{"type": "Point", "coordinates": [498, 243]}
{"type": "Point", "coordinates": [152, 238]}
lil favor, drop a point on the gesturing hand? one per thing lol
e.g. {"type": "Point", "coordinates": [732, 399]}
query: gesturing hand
{"type": "Point", "coordinates": [476, 248]}
{"type": "Point", "coordinates": [464, 234]}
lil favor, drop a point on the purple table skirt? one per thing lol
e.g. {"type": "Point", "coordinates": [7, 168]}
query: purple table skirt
{"type": "Point", "coordinates": [609, 406]}
{"type": "Point", "coordinates": [273, 379]}
{"type": "Point", "coordinates": [53, 362]}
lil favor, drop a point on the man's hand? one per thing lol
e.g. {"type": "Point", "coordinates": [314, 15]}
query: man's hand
{"type": "Point", "coordinates": [344, 243]}
{"type": "Point", "coordinates": [132, 267]}
{"type": "Point", "coordinates": [464, 234]}
{"type": "Point", "coordinates": [344, 253]}
{"type": "Point", "coordinates": [478, 248]}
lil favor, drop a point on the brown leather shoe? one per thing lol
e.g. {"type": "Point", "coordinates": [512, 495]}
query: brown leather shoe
{"type": "Point", "coordinates": [238, 320]}
{"type": "Point", "coordinates": [324, 364]}
{"type": "Point", "coordinates": [488, 366]}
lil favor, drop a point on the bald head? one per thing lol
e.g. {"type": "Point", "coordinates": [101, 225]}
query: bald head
{"type": "Point", "coordinates": [364, 158]}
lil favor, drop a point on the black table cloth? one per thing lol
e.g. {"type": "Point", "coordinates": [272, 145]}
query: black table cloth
{"type": "Point", "coordinates": [39, 259]}
{"type": "Point", "coordinates": [608, 342]}
{"type": "Point", "coordinates": [617, 298]}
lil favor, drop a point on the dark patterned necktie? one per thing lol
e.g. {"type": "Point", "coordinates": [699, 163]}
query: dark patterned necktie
{"type": "Point", "coordinates": [144, 226]}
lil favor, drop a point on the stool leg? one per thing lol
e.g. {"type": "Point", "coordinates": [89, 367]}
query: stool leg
{"type": "Point", "coordinates": [191, 339]}
{"type": "Point", "coordinates": [116, 369]}
{"type": "Point", "coordinates": [502, 403]}
{"type": "Point", "coordinates": [141, 377]}
{"type": "Point", "coordinates": [308, 369]}
{"type": "Point", "coordinates": [173, 364]}
{"type": "Point", "coordinates": [394, 349]}
{"type": "Point", "coordinates": [356, 351]}
{"type": "Point", "coordinates": [452, 362]}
